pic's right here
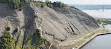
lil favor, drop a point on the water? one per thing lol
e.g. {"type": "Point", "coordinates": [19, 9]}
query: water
{"type": "Point", "coordinates": [96, 11]}
{"type": "Point", "coordinates": [91, 7]}
{"type": "Point", "coordinates": [108, 26]}
{"type": "Point", "coordinates": [99, 13]}
{"type": "Point", "coordinates": [100, 42]}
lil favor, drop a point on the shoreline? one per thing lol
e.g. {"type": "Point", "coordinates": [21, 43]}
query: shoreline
{"type": "Point", "coordinates": [88, 40]}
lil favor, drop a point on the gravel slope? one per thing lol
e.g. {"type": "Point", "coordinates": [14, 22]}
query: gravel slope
{"type": "Point", "coordinates": [56, 24]}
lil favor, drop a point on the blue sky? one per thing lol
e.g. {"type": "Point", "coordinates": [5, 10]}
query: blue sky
{"type": "Point", "coordinates": [100, 2]}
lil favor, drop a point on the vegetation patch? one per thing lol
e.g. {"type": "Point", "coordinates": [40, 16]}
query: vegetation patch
{"type": "Point", "coordinates": [19, 4]}
{"type": "Point", "coordinates": [103, 21]}
{"type": "Point", "coordinates": [89, 35]}
{"type": "Point", "coordinates": [56, 4]}
{"type": "Point", "coordinates": [79, 42]}
{"type": "Point", "coordinates": [6, 41]}
{"type": "Point", "coordinates": [97, 32]}
{"type": "Point", "coordinates": [16, 30]}
{"type": "Point", "coordinates": [8, 29]}
{"type": "Point", "coordinates": [15, 4]}
{"type": "Point", "coordinates": [50, 4]}
{"type": "Point", "coordinates": [74, 7]}
{"type": "Point", "coordinates": [34, 42]}
{"type": "Point", "coordinates": [17, 44]}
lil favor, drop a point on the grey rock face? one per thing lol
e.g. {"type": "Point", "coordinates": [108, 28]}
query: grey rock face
{"type": "Point", "coordinates": [56, 24]}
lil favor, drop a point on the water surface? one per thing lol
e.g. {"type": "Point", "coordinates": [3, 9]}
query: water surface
{"type": "Point", "coordinates": [106, 13]}
{"type": "Point", "coordinates": [100, 42]}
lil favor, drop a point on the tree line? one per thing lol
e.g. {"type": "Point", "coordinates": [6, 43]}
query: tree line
{"type": "Point", "coordinates": [19, 4]}
{"type": "Point", "coordinates": [16, 4]}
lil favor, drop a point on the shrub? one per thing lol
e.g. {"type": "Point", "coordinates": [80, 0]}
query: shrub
{"type": "Point", "coordinates": [8, 29]}
{"type": "Point", "coordinates": [74, 7]}
{"type": "Point", "coordinates": [16, 30]}
{"type": "Point", "coordinates": [50, 5]}
{"type": "Point", "coordinates": [55, 4]}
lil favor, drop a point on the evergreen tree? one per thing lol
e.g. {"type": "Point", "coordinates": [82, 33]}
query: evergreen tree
{"type": "Point", "coordinates": [6, 41]}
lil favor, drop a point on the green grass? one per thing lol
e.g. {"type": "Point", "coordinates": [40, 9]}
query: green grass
{"type": "Point", "coordinates": [97, 32]}
{"type": "Point", "coordinates": [79, 42]}
{"type": "Point", "coordinates": [89, 35]}
{"type": "Point", "coordinates": [18, 46]}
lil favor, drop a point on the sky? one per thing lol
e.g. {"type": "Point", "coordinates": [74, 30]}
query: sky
{"type": "Point", "coordinates": [92, 2]}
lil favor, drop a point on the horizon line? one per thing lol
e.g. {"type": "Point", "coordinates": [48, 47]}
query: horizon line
{"type": "Point", "coordinates": [91, 4]}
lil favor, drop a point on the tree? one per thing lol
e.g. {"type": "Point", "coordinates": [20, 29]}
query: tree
{"type": "Point", "coordinates": [6, 41]}
{"type": "Point", "coordinates": [16, 4]}
{"type": "Point", "coordinates": [43, 4]}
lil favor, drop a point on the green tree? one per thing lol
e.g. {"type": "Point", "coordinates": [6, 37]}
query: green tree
{"type": "Point", "coordinates": [43, 4]}
{"type": "Point", "coordinates": [16, 4]}
{"type": "Point", "coordinates": [6, 41]}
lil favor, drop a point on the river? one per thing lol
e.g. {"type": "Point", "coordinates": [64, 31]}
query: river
{"type": "Point", "coordinates": [100, 42]}
{"type": "Point", "coordinates": [98, 11]}
{"type": "Point", "coordinates": [103, 41]}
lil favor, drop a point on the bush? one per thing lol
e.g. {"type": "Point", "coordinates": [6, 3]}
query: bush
{"type": "Point", "coordinates": [55, 4]}
{"type": "Point", "coordinates": [8, 29]}
{"type": "Point", "coordinates": [74, 7]}
{"type": "Point", "coordinates": [16, 30]}
{"type": "Point", "coordinates": [50, 4]}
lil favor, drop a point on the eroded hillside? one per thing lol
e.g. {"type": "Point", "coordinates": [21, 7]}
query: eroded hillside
{"type": "Point", "coordinates": [37, 25]}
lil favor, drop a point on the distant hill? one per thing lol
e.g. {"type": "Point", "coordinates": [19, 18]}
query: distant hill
{"type": "Point", "coordinates": [91, 7]}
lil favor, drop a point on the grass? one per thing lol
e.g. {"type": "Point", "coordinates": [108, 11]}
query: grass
{"type": "Point", "coordinates": [89, 35]}
{"type": "Point", "coordinates": [18, 46]}
{"type": "Point", "coordinates": [97, 32]}
{"type": "Point", "coordinates": [79, 42]}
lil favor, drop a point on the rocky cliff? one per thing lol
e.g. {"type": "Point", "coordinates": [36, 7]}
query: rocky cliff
{"type": "Point", "coordinates": [56, 25]}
